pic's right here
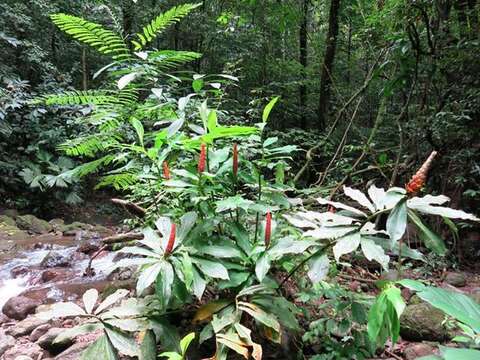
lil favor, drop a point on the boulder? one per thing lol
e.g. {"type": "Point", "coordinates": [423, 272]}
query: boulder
{"type": "Point", "coordinates": [33, 224]}
{"type": "Point", "coordinates": [11, 213]}
{"type": "Point", "coordinates": [73, 228]}
{"type": "Point", "coordinates": [7, 220]}
{"type": "Point", "coordinates": [6, 342]}
{"type": "Point", "coordinates": [415, 351]}
{"type": "Point", "coordinates": [423, 322]}
{"type": "Point", "coordinates": [25, 327]}
{"type": "Point", "coordinates": [24, 348]}
{"type": "Point", "coordinates": [55, 259]}
{"type": "Point", "coordinates": [456, 279]}
{"type": "Point", "coordinates": [46, 341]}
{"type": "Point", "coordinates": [38, 332]}
{"type": "Point", "coordinates": [19, 307]}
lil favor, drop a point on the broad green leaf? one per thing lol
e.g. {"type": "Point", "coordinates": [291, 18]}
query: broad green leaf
{"type": "Point", "coordinates": [101, 349]}
{"type": "Point", "coordinates": [233, 203]}
{"type": "Point", "coordinates": [394, 295]}
{"type": "Point", "coordinates": [359, 197]}
{"type": "Point", "coordinates": [459, 354]}
{"type": "Point", "coordinates": [377, 195]}
{"type": "Point", "coordinates": [127, 324]}
{"type": "Point", "coordinates": [90, 298]}
{"type": "Point", "coordinates": [346, 245]}
{"type": "Point", "coordinates": [166, 333]}
{"type": "Point", "coordinates": [397, 222]}
{"type": "Point", "coordinates": [375, 252]}
{"type": "Point", "coordinates": [71, 333]}
{"type": "Point", "coordinates": [186, 224]}
{"type": "Point", "coordinates": [198, 284]}
{"type": "Point", "coordinates": [57, 310]}
{"type": "Point", "coordinates": [330, 232]}
{"type": "Point", "coordinates": [262, 266]}
{"type": "Point", "coordinates": [139, 129]}
{"type": "Point", "coordinates": [289, 245]}
{"type": "Point", "coordinates": [171, 355]}
{"type": "Point", "coordinates": [222, 251]}
{"type": "Point", "coordinates": [318, 268]}
{"type": "Point", "coordinates": [185, 342]}
{"type": "Point", "coordinates": [412, 284]}
{"type": "Point", "coordinates": [212, 121]}
{"type": "Point", "coordinates": [206, 311]}
{"type": "Point", "coordinates": [260, 315]}
{"type": "Point", "coordinates": [124, 344]}
{"type": "Point", "coordinates": [126, 79]}
{"type": "Point", "coordinates": [164, 283]}
{"type": "Point", "coordinates": [430, 238]}
{"type": "Point", "coordinates": [148, 276]}
{"type": "Point", "coordinates": [268, 108]}
{"type": "Point", "coordinates": [443, 211]}
{"type": "Point", "coordinates": [211, 268]}
{"type": "Point", "coordinates": [148, 347]}
{"type": "Point", "coordinates": [111, 299]}
{"type": "Point", "coordinates": [339, 205]}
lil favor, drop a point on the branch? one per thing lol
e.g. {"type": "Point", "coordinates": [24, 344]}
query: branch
{"type": "Point", "coordinates": [130, 207]}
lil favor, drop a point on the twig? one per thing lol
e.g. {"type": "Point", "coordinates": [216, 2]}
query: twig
{"type": "Point", "coordinates": [122, 238]}
{"type": "Point", "coordinates": [88, 270]}
{"type": "Point", "coordinates": [130, 207]}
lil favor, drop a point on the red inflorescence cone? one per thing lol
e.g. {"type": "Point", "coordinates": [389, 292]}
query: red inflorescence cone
{"type": "Point", "coordinates": [166, 171]}
{"type": "Point", "coordinates": [171, 240]}
{"type": "Point", "coordinates": [268, 228]}
{"type": "Point", "coordinates": [418, 180]}
{"type": "Point", "coordinates": [203, 158]}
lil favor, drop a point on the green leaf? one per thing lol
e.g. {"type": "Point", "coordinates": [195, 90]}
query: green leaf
{"type": "Point", "coordinates": [111, 299]}
{"type": "Point", "coordinates": [268, 108]}
{"type": "Point", "coordinates": [164, 284]}
{"type": "Point", "coordinates": [346, 245]}
{"type": "Point", "coordinates": [198, 284]}
{"type": "Point", "coordinates": [318, 268]}
{"type": "Point", "coordinates": [397, 222]}
{"type": "Point", "coordinates": [262, 266]}
{"type": "Point", "coordinates": [375, 252]}
{"type": "Point", "coordinates": [412, 284]}
{"type": "Point", "coordinates": [148, 348]}
{"type": "Point", "coordinates": [101, 349]}
{"type": "Point", "coordinates": [126, 345]}
{"type": "Point", "coordinates": [58, 310]}
{"type": "Point", "coordinates": [197, 85]}
{"type": "Point", "coordinates": [359, 197]}
{"type": "Point", "coordinates": [185, 342]}
{"type": "Point", "coordinates": [430, 239]}
{"type": "Point", "coordinates": [459, 354]}
{"type": "Point", "coordinates": [211, 268]}
{"type": "Point", "coordinates": [148, 276]}
{"type": "Point", "coordinates": [90, 298]}
{"type": "Point", "coordinates": [71, 333]}
{"type": "Point", "coordinates": [260, 315]}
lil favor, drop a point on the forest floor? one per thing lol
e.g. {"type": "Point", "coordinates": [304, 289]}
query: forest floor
{"type": "Point", "coordinates": [44, 262]}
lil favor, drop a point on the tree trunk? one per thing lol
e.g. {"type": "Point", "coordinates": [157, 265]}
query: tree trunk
{"type": "Point", "coordinates": [304, 63]}
{"type": "Point", "coordinates": [328, 62]}
{"type": "Point", "coordinates": [84, 69]}
{"type": "Point", "coordinates": [127, 15]}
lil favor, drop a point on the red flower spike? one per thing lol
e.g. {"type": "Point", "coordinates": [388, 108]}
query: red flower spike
{"type": "Point", "coordinates": [166, 171]}
{"type": "Point", "coordinates": [171, 240]}
{"type": "Point", "coordinates": [331, 208]}
{"type": "Point", "coordinates": [235, 160]}
{"type": "Point", "coordinates": [203, 158]}
{"type": "Point", "coordinates": [268, 228]}
{"type": "Point", "coordinates": [418, 180]}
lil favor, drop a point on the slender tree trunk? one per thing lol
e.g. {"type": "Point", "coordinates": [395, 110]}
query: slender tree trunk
{"type": "Point", "coordinates": [304, 63]}
{"type": "Point", "coordinates": [128, 15]}
{"type": "Point", "coordinates": [84, 69]}
{"type": "Point", "coordinates": [328, 62]}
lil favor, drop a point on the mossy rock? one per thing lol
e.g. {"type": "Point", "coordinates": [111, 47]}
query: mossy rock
{"type": "Point", "coordinates": [9, 229]}
{"type": "Point", "coordinates": [7, 220]}
{"type": "Point", "coordinates": [421, 322]}
{"type": "Point", "coordinates": [33, 224]}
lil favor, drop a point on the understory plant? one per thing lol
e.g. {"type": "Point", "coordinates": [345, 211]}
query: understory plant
{"type": "Point", "coordinates": [218, 208]}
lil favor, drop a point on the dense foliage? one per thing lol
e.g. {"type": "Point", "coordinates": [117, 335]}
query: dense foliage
{"type": "Point", "coordinates": [232, 134]}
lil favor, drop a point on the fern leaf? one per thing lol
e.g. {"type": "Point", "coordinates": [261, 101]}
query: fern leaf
{"type": "Point", "coordinates": [87, 146]}
{"type": "Point", "coordinates": [160, 23]}
{"type": "Point", "coordinates": [105, 41]}
{"type": "Point", "coordinates": [166, 59]}
{"type": "Point", "coordinates": [118, 181]}
{"type": "Point", "coordinates": [90, 167]}
{"type": "Point", "coordinates": [89, 97]}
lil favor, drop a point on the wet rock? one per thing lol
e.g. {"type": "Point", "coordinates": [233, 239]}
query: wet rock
{"type": "Point", "coordinates": [456, 279]}
{"type": "Point", "coordinates": [46, 341]}
{"type": "Point", "coordinates": [55, 259]}
{"type": "Point", "coordinates": [25, 327]}
{"type": "Point", "coordinates": [415, 351]}
{"type": "Point", "coordinates": [9, 229]}
{"type": "Point", "coordinates": [57, 224]}
{"type": "Point", "coordinates": [24, 348]}
{"type": "Point", "coordinates": [88, 247]}
{"type": "Point", "coordinates": [33, 224]}
{"type": "Point", "coordinates": [19, 307]}
{"type": "Point", "coordinates": [19, 270]}
{"type": "Point", "coordinates": [121, 274]}
{"type": "Point", "coordinates": [23, 357]}
{"type": "Point", "coordinates": [422, 322]}
{"type": "Point", "coordinates": [38, 332]}
{"type": "Point", "coordinates": [57, 274]}
{"type": "Point", "coordinates": [12, 213]}
{"type": "Point", "coordinates": [73, 228]}
{"type": "Point", "coordinates": [6, 342]}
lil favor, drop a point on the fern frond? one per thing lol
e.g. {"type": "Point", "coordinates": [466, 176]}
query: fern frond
{"type": "Point", "coordinates": [90, 167]}
{"type": "Point", "coordinates": [118, 181]}
{"type": "Point", "coordinates": [88, 145]}
{"type": "Point", "coordinates": [166, 59]}
{"type": "Point", "coordinates": [95, 35]}
{"type": "Point", "coordinates": [160, 23]}
{"type": "Point", "coordinates": [76, 97]}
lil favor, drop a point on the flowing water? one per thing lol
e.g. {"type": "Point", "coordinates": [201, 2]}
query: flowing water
{"type": "Point", "coordinates": [29, 260]}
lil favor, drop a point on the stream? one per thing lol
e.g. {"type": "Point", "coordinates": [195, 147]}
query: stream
{"type": "Point", "coordinates": [51, 268]}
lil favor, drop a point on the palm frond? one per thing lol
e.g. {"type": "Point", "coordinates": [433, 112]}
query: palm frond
{"type": "Point", "coordinates": [90, 167]}
{"type": "Point", "coordinates": [160, 23]}
{"type": "Point", "coordinates": [105, 41]}
{"type": "Point", "coordinates": [77, 97]}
